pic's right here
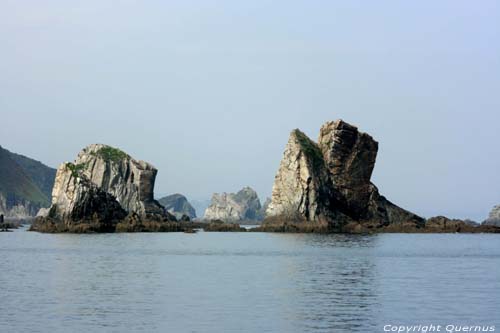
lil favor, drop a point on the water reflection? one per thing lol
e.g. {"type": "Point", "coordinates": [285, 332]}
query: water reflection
{"type": "Point", "coordinates": [334, 285]}
{"type": "Point", "coordinates": [244, 282]}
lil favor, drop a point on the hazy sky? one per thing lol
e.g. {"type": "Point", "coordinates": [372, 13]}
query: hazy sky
{"type": "Point", "coordinates": [208, 91]}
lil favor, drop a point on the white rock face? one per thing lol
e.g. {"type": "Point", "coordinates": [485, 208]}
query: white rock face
{"type": "Point", "coordinates": [43, 212]}
{"type": "Point", "coordinates": [233, 207]}
{"type": "Point", "coordinates": [300, 181]}
{"type": "Point", "coordinates": [75, 198]}
{"type": "Point", "coordinates": [18, 211]}
{"type": "Point", "coordinates": [130, 181]}
{"type": "Point", "coordinates": [493, 217]}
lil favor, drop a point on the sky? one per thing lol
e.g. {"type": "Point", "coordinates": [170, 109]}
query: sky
{"type": "Point", "coordinates": [208, 91]}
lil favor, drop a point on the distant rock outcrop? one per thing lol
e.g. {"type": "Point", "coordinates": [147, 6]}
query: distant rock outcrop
{"type": "Point", "coordinates": [231, 207]}
{"type": "Point", "coordinates": [24, 185]}
{"type": "Point", "coordinates": [98, 190]}
{"type": "Point", "coordinates": [328, 184]}
{"type": "Point", "coordinates": [493, 217]}
{"type": "Point", "coordinates": [178, 205]}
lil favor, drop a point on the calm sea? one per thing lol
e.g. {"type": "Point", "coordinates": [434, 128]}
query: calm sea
{"type": "Point", "coordinates": [246, 282]}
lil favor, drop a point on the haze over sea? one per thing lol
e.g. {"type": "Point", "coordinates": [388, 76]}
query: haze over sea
{"type": "Point", "coordinates": [245, 282]}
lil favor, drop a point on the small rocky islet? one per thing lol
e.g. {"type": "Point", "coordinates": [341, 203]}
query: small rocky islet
{"type": "Point", "coordinates": [321, 187]}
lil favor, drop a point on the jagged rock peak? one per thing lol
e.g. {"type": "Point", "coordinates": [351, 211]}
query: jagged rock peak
{"type": "Point", "coordinates": [129, 180]}
{"type": "Point", "coordinates": [350, 158]}
{"type": "Point", "coordinates": [329, 182]}
{"type": "Point", "coordinates": [300, 189]}
{"type": "Point", "coordinates": [231, 207]}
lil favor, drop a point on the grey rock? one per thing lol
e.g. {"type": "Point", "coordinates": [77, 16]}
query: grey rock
{"type": "Point", "coordinates": [301, 187]}
{"type": "Point", "coordinates": [178, 205]}
{"type": "Point", "coordinates": [78, 205]}
{"type": "Point", "coordinates": [329, 183]}
{"type": "Point", "coordinates": [232, 207]}
{"type": "Point", "coordinates": [350, 158]}
{"type": "Point", "coordinates": [471, 223]}
{"type": "Point", "coordinates": [43, 212]}
{"type": "Point", "coordinates": [130, 181]}
{"type": "Point", "coordinates": [493, 217]}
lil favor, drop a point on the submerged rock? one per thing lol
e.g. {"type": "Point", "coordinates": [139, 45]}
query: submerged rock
{"type": "Point", "coordinates": [444, 224]}
{"type": "Point", "coordinates": [220, 226]}
{"type": "Point", "coordinates": [178, 205]}
{"type": "Point", "coordinates": [231, 207]}
{"type": "Point", "coordinates": [328, 184]}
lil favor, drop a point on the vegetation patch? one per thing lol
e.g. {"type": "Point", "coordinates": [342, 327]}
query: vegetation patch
{"type": "Point", "coordinates": [76, 169]}
{"type": "Point", "coordinates": [310, 149]}
{"type": "Point", "coordinates": [111, 154]}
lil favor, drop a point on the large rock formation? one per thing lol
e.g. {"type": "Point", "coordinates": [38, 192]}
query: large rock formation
{"type": "Point", "coordinates": [328, 183]}
{"type": "Point", "coordinates": [98, 190]}
{"type": "Point", "coordinates": [232, 207]}
{"type": "Point", "coordinates": [302, 188]}
{"type": "Point", "coordinates": [350, 158]}
{"type": "Point", "coordinates": [493, 217]}
{"type": "Point", "coordinates": [130, 181]}
{"type": "Point", "coordinates": [178, 205]}
{"type": "Point", "coordinates": [78, 205]}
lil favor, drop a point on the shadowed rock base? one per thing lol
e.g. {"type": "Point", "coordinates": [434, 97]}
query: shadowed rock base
{"type": "Point", "coordinates": [438, 224]}
{"type": "Point", "coordinates": [132, 223]}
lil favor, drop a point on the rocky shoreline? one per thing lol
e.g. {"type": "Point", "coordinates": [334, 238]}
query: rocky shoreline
{"type": "Point", "coordinates": [320, 187]}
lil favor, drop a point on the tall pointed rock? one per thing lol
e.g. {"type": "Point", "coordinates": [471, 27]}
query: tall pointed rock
{"type": "Point", "coordinates": [301, 190]}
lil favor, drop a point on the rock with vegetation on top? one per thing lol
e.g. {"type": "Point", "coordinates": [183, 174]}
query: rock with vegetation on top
{"type": "Point", "coordinates": [178, 205]}
{"type": "Point", "coordinates": [105, 190]}
{"type": "Point", "coordinates": [78, 205]}
{"type": "Point", "coordinates": [327, 184]}
{"type": "Point", "coordinates": [232, 207]}
{"type": "Point", "coordinates": [130, 181]}
{"type": "Point", "coordinates": [301, 190]}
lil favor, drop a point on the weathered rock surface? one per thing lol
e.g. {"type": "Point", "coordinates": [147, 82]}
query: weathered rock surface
{"type": "Point", "coordinates": [78, 205]}
{"type": "Point", "coordinates": [350, 158]}
{"type": "Point", "coordinates": [301, 189]}
{"type": "Point", "coordinates": [493, 217]}
{"type": "Point", "coordinates": [130, 181]}
{"type": "Point", "coordinates": [178, 205]}
{"type": "Point", "coordinates": [328, 183]}
{"type": "Point", "coordinates": [231, 207]}
{"type": "Point", "coordinates": [104, 190]}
